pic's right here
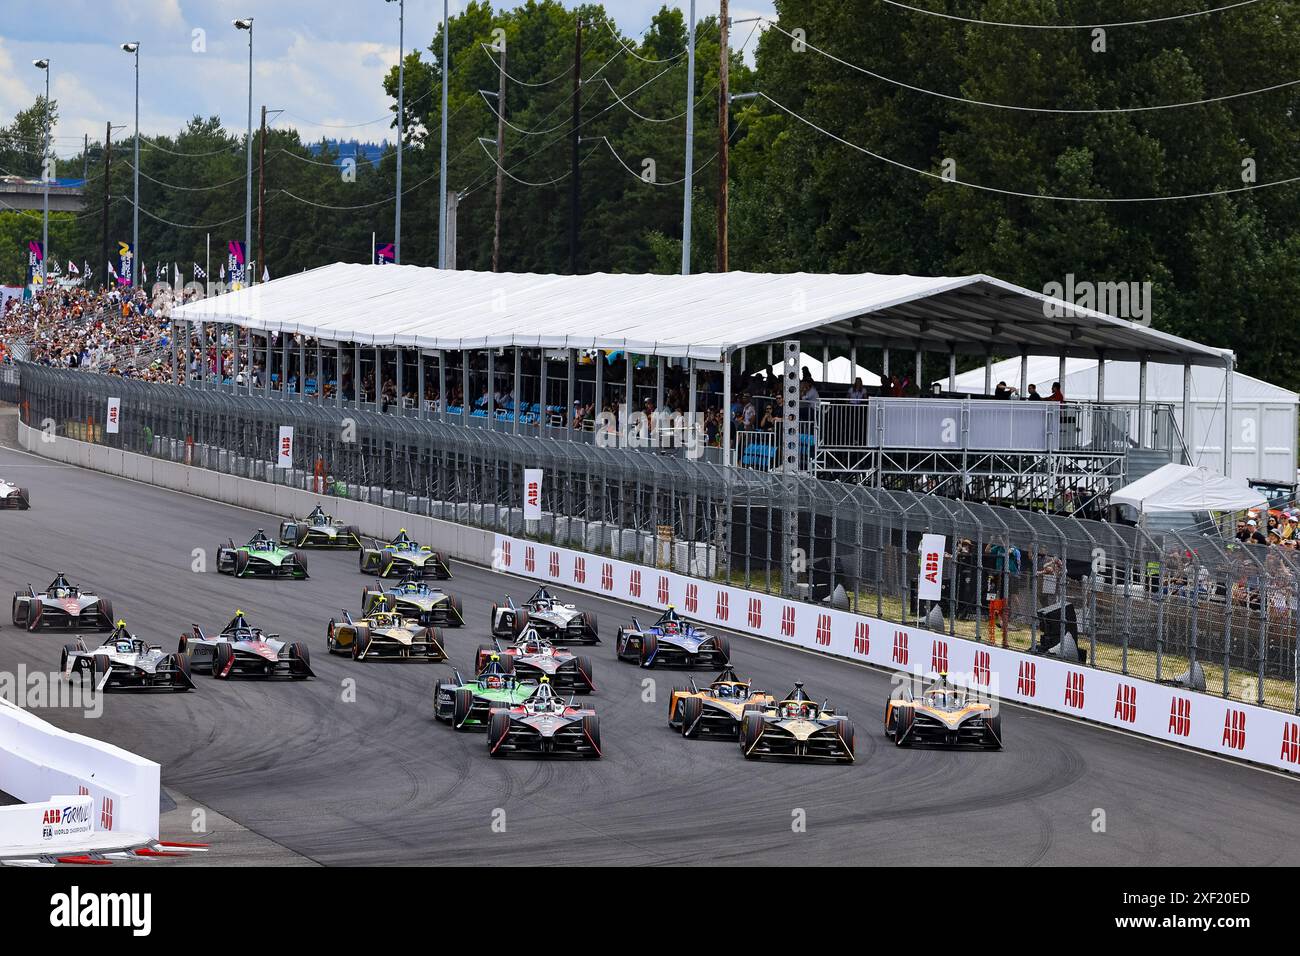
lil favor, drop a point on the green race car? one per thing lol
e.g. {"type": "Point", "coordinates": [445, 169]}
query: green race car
{"type": "Point", "coordinates": [465, 704]}
{"type": "Point", "coordinates": [261, 557]}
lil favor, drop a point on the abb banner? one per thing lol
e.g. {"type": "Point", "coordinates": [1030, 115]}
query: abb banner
{"type": "Point", "coordinates": [929, 585]}
{"type": "Point", "coordinates": [532, 494]}
{"type": "Point", "coordinates": [113, 417]}
{"type": "Point", "coordinates": [1143, 707]}
{"type": "Point", "coordinates": [284, 447]}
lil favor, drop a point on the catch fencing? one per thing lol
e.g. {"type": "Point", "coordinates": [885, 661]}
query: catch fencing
{"type": "Point", "coordinates": [1165, 606]}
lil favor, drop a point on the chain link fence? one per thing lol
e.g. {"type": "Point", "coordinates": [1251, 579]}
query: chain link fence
{"type": "Point", "coordinates": [1201, 610]}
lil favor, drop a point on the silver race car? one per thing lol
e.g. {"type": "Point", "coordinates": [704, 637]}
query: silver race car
{"type": "Point", "coordinates": [414, 599]}
{"type": "Point", "coordinates": [62, 607]}
{"type": "Point", "coordinates": [244, 650]}
{"type": "Point", "coordinates": [553, 620]}
{"type": "Point", "coordinates": [319, 530]}
{"type": "Point", "coordinates": [544, 725]}
{"type": "Point", "coordinates": [533, 657]}
{"type": "Point", "coordinates": [401, 557]}
{"type": "Point", "coordinates": [11, 496]}
{"type": "Point", "coordinates": [126, 662]}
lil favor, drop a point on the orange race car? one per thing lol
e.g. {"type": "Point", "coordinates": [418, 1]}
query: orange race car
{"type": "Point", "coordinates": [943, 714]}
{"type": "Point", "coordinates": [716, 711]}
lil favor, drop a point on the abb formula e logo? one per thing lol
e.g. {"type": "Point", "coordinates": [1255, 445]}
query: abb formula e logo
{"type": "Point", "coordinates": [755, 617]}
{"type": "Point", "coordinates": [554, 564]}
{"type": "Point", "coordinates": [1234, 729]}
{"type": "Point", "coordinates": [662, 592]}
{"type": "Point", "coordinates": [722, 609]}
{"type": "Point", "coordinates": [106, 814]}
{"type": "Point", "coordinates": [1180, 716]}
{"type": "Point", "coordinates": [1126, 703]}
{"type": "Point", "coordinates": [506, 557]}
{"type": "Point", "coordinates": [1291, 743]}
{"type": "Point", "coordinates": [1074, 690]}
{"type": "Point", "coordinates": [1027, 679]}
{"type": "Point", "coordinates": [607, 577]}
{"type": "Point", "coordinates": [823, 630]}
{"type": "Point", "coordinates": [579, 570]}
{"type": "Point", "coordinates": [983, 668]}
{"type": "Point", "coordinates": [900, 647]}
{"type": "Point", "coordinates": [530, 559]}
{"type": "Point", "coordinates": [692, 598]}
{"type": "Point", "coordinates": [787, 621]}
{"type": "Point", "coordinates": [938, 656]}
{"type": "Point", "coordinates": [862, 638]}
{"type": "Point", "coordinates": [634, 583]}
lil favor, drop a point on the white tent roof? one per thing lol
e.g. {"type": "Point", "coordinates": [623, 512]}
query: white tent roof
{"type": "Point", "coordinates": [838, 371]}
{"type": "Point", "coordinates": [1164, 382]}
{"type": "Point", "coordinates": [701, 316]}
{"type": "Point", "coordinates": [1183, 488]}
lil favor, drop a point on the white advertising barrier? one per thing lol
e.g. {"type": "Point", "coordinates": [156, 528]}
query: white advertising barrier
{"type": "Point", "coordinates": [59, 823]}
{"type": "Point", "coordinates": [38, 760]}
{"type": "Point", "coordinates": [1143, 707]}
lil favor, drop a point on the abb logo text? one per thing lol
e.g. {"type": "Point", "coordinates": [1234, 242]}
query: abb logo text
{"type": "Point", "coordinates": [1180, 716]}
{"type": "Point", "coordinates": [580, 570]}
{"type": "Point", "coordinates": [1074, 690]}
{"type": "Point", "coordinates": [607, 577]}
{"type": "Point", "coordinates": [1126, 703]}
{"type": "Point", "coordinates": [634, 583]}
{"type": "Point", "coordinates": [787, 622]}
{"type": "Point", "coordinates": [692, 598]}
{"type": "Point", "coordinates": [723, 609]}
{"type": "Point", "coordinates": [983, 668]}
{"type": "Point", "coordinates": [1291, 743]}
{"type": "Point", "coordinates": [1027, 679]}
{"type": "Point", "coordinates": [939, 657]}
{"type": "Point", "coordinates": [554, 564]}
{"type": "Point", "coordinates": [824, 630]}
{"type": "Point", "coordinates": [862, 638]}
{"type": "Point", "coordinates": [1234, 729]}
{"type": "Point", "coordinates": [505, 552]}
{"type": "Point", "coordinates": [755, 617]}
{"type": "Point", "coordinates": [900, 647]}
{"type": "Point", "coordinates": [530, 559]}
{"type": "Point", "coordinates": [106, 814]}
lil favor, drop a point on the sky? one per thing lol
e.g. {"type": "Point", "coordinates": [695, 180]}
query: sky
{"type": "Point", "coordinates": [321, 61]}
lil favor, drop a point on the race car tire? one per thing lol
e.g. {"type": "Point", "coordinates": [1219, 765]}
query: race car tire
{"type": "Point", "coordinates": [845, 728]}
{"type": "Point", "coordinates": [221, 655]}
{"type": "Point", "coordinates": [689, 710]}
{"type": "Point", "coordinates": [751, 709]}
{"type": "Point", "coordinates": [441, 569]}
{"type": "Point", "coordinates": [495, 630]}
{"type": "Point", "coordinates": [360, 641]}
{"type": "Point", "coordinates": [902, 726]}
{"type": "Point", "coordinates": [181, 663]}
{"type": "Point", "coordinates": [507, 663]}
{"type": "Point", "coordinates": [440, 644]}
{"type": "Point", "coordinates": [520, 622]}
{"type": "Point", "coordinates": [591, 730]}
{"type": "Point", "coordinates": [99, 667]}
{"type": "Point", "coordinates": [19, 617]}
{"type": "Point", "coordinates": [33, 622]}
{"type": "Point", "coordinates": [891, 719]}
{"type": "Point", "coordinates": [300, 560]}
{"type": "Point", "coordinates": [298, 651]}
{"type": "Point", "coordinates": [585, 673]}
{"type": "Point", "coordinates": [241, 563]}
{"type": "Point", "coordinates": [68, 650]}
{"type": "Point", "coordinates": [461, 703]}
{"type": "Point", "coordinates": [646, 653]}
{"type": "Point", "coordinates": [724, 649]}
{"type": "Point", "coordinates": [498, 727]}
{"type": "Point", "coordinates": [994, 732]}
{"type": "Point", "coordinates": [482, 656]}
{"type": "Point", "coordinates": [437, 693]}
{"type": "Point", "coordinates": [106, 610]}
{"type": "Point", "coordinates": [457, 616]}
{"type": "Point", "coordinates": [329, 636]}
{"type": "Point", "coordinates": [751, 728]}
{"type": "Point", "coordinates": [183, 644]}
{"type": "Point", "coordinates": [589, 619]}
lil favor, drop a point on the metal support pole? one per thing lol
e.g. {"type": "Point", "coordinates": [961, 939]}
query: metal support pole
{"type": "Point", "coordinates": [399, 379]}
{"type": "Point", "coordinates": [338, 375]}
{"type": "Point", "coordinates": [1142, 404]}
{"type": "Point", "coordinates": [518, 387]}
{"type": "Point", "coordinates": [356, 374]}
{"type": "Point", "coordinates": [573, 386]}
{"type": "Point", "coordinates": [542, 401]}
{"type": "Point", "coordinates": [376, 397]}
{"type": "Point", "coordinates": [952, 369]}
{"type": "Point", "coordinates": [1101, 377]}
{"type": "Point", "coordinates": [421, 411]}
{"type": "Point", "coordinates": [1186, 424]}
{"type": "Point", "coordinates": [442, 384]}
{"type": "Point", "coordinates": [726, 411]}
{"type": "Point", "coordinates": [1228, 376]}
{"type": "Point", "coordinates": [466, 402]}
{"type": "Point", "coordinates": [491, 387]}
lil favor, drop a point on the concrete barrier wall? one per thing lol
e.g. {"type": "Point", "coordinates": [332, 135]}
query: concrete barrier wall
{"type": "Point", "coordinates": [454, 540]}
{"type": "Point", "coordinates": [60, 823]}
{"type": "Point", "coordinates": [1158, 711]}
{"type": "Point", "coordinates": [38, 760]}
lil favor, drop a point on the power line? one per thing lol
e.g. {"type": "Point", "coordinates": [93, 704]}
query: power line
{"type": "Point", "coordinates": [378, 119]}
{"type": "Point", "coordinates": [628, 49]}
{"type": "Point", "coordinates": [378, 202]}
{"type": "Point", "coordinates": [1068, 26]}
{"type": "Point", "coordinates": [146, 144]}
{"type": "Point", "coordinates": [182, 225]}
{"type": "Point", "coordinates": [1027, 109]}
{"type": "Point", "coordinates": [488, 50]}
{"type": "Point", "coordinates": [188, 189]}
{"type": "Point", "coordinates": [1012, 192]}
{"type": "Point", "coordinates": [523, 182]}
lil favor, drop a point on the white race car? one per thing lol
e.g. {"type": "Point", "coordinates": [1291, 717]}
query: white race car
{"type": "Point", "coordinates": [11, 496]}
{"type": "Point", "coordinates": [553, 620]}
{"type": "Point", "coordinates": [126, 661]}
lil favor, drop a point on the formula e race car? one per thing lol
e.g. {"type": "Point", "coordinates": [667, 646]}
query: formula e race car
{"type": "Point", "coordinates": [465, 704]}
{"type": "Point", "coordinates": [319, 530]}
{"type": "Point", "coordinates": [414, 599]}
{"type": "Point", "coordinates": [672, 642]}
{"type": "Point", "coordinates": [534, 657]}
{"type": "Point", "coordinates": [544, 725]}
{"type": "Point", "coordinates": [62, 607]}
{"type": "Point", "coordinates": [260, 558]}
{"type": "Point", "coordinates": [11, 496]}
{"type": "Point", "coordinates": [126, 662]}
{"type": "Point", "coordinates": [716, 711]}
{"type": "Point", "coordinates": [402, 557]}
{"type": "Point", "coordinates": [554, 620]}
{"type": "Point", "coordinates": [797, 727]}
{"type": "Point", "coordinates": [943, 714]}
{"type": "Point", "coordinates": [384, 633]}
{"type": "Point", "coordinates": [243, 650]}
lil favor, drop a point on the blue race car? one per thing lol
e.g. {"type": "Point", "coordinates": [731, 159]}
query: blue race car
{"type": "Point", "coordinates": [672, 641]}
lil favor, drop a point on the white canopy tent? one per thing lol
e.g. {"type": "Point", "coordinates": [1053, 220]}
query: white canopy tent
{"type": "Point", "coordinates": [1181, 489]}
{"type": "Point", "coordinates": [1264, 416]}
{"type": "Point", "coordinates": [838, 371]}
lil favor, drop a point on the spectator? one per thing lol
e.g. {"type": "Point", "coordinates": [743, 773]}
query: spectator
{"type": "Point", "coordinates": [1057, 395]}
{"type": "Point", "coordinates": [1033, 395]}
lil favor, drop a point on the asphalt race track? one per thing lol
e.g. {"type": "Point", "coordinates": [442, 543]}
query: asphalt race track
{"type": "Point", "coordinates": [377, 780]}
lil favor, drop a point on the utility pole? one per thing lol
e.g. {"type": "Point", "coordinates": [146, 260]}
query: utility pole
{"type": "Point", "coordinates": [261, 192]}
{"type": "Point", "coordinates": [573, 175]}
{"type": "Point", "coordinates": [724, 132]}
{"type": "Point", "coordinates": [453, 206]}
{"type": "Point", "coordinates": [85, 157]}
{"type": "Point", "coordinates": [690, 144]}
{"type": "Point", "coordinates": [108, 187]}
{"type": "Point", "coordinates": [501, 159]}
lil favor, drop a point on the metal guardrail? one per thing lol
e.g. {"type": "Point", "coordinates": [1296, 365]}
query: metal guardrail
{"type": "Point", "coordinates": [1145, 603]}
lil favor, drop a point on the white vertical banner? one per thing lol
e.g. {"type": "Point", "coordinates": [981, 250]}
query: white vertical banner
{"type": "Point", "coordinates": [929, 585]}
{"type": "Point", "coordinates": [532, 494]}
{"type": "Point", "coordinates": [113, 418]}
{"type": "Point", "coordinates": [284, 449]}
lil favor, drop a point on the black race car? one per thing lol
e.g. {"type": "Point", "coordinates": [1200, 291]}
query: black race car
{"type": "Point", "coordinates": [672, 641]}
{"type": "Point", "coordinates": [62, 607]}
{"type": "Point", "coordinates": [554, 620]}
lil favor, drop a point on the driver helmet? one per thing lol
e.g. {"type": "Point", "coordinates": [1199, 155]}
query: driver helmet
{"type": "Point", "coordinates": [724, 690]}
{"type": "Point", "coordinates": [495, 681]}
